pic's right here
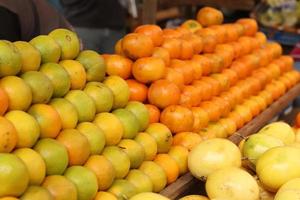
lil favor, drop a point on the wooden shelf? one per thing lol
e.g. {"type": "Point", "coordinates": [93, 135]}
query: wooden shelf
{"type": "Point", "coordinates": [187, 182]}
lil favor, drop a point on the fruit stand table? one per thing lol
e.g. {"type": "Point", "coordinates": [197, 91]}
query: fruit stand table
{"type": "Point", "coordinates": [187, 184]}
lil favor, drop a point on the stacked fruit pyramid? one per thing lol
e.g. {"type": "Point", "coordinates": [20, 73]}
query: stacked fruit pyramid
{"type": "Point", "coordinates": [73, 128]}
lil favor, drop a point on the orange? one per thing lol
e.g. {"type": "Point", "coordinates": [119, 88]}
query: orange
{"type": "Point", "coordinates": [105, 196]}
{"type": "Point", "coordinates": [134, 150]}
{"type": "Point", "coordinates": [31, 57]}
{"type": "Point", "coordinates": [227, 96]}
{"type": "Point", "coordinates": [54, 154]}
{"type": "Point", "coordinates": [28, 130]}
{"type": "Point", "coordinates": [174, 76]}
{"type": "Point", "coordinates": [9, 198]}
{"type": "Point", "coordinates": [153, 31]}
{"type": "Point", "coordinates": [216, 85]}
{"type": "Point", "coordinates": [147, 70]}
{"type": "Point", "coordinates": [173, 46]}
{"type": "Point", "coordinates": [268, 98]}
{"type": "Point", "coordinates": [222, 104]}
{"type": "Point", "coordinates": [122, 188]}
{"type": "Point", "coordinates": [201, 118]}
{"type": "Point", "coordinates": [244, 112]}
{"type": "Point", "coordinates": [9, 135]}
{"type": "Point", "coordinates": [140, 180]}
{"type": "Point", "coordinates": [59, 78]}
{"type": "Point", "coordinates": [84, 180]}
{"type": "Point", "coordinates": [66, 111]}
{"type": "Point", "coordinates": [137, 45]}
{"type": "Point", "coordinates": [238, 49]}
{"type": "Point", "coordinates": [35, 165]}
{"type": "Point", "coordinates": [118, 48]}
{"type": "Point", "coordinates": [237, 93]}
{"type": "Point", "coordinates": [223, 80]}
{"type": "Point", "coordinates": [204, 62]}
{"type": "Point", "coordinates": [47, 118]}
{"type": "Point", "coordinates": [169, 165]}
{"type": "Point", "coordinates": [250, 26]}
{"type": "Point", "coordinates": [76, 145]}
{"type": "Point", "coordinates": [11, 59]}
{"type": "Point", "coordinates": [289, 62]}
{"type": "Point", "coordinates": [260, 101]}
{"type": "Point", "coordinates": [246, 44]}
{"type": "Point", "coordinates": [183, 67]}
{"type": "Point", "coordinates": [275, 48]}
{"type": "Point", "coordinates": [217, 62]}
{"type": "Point", "coordinates": [163, 93]}
{"type": "Point", "coordinates": [3, 101]}
{"type": "Point", "coordinates": [40, 85]}
{"type": "Point", "coordinates": [196, 42]}
{"type": "Point", "coordinates": [84, 105]}
{"type": "Point", "coordinates": [183, 31]}
{"type": "Point", "coordinates": [119, 160]}
{"type": "Point", "coordinates": [204, 88]}
{"type": "Point", "coordinates": [197, 69]}
{"type": "Point", "coordinates": [237, 118]}
{"type": "Point", "coordinates": [18, 92]}
{"type": "Point", "coordinates": [231, 75]}
{"type": "Point", "coordinates": [187, 139]}
{"type": "Point", "coordinates": [232, 32]}
{"type": "Point", "coordinates": [217, 129]}
{"type": "Point", "coordinates": [101, 94]}
{"type": "Point", "coordinates": [103, 170]}
{"type": "Point", "coordinates": [148, 143]}
{"type": "Point", "coordinates": [68, 42]}
{"type": "Point", "coordinates": [227, 51]}
{"type": "Point", "coordinates": [36, 192]}
{"type": "Point", "coordinates": [187, 50]}
{"type": "Point", "coordinates": [221, 33]}
{"type": "Point", "coordinates": [169, 33]}
{"type": "Point", "coordinates": [118, 65]}
{"type": "Point", "coordinates": [241, 69]}
{"type": "Point", "coordinates": [95, 136]}
{"type": "Point", "coordinates": [49, 49]}
{"type": "Point", "coordinates": [253, 106]}
{"type": "Point", "coordinates": [209, 38]}
{"type": "Point", "coordinates": [180, 155]}
{"type": "Point", "coordinates": [261, 38]}
{"type": "Point", "coordinates": [163, 54]}
{"type": "Point", "coordinates": [192, 25]}
{"type": "Point", "coordinates": [208, 16]}
{"type": "Point", "coordinates": [162, 135]}
{"type": "Point", "coordinates": [60, 187]}
{"type": "Point", "coordinates": [111, 126]}
{"type": "Point", "coordinates": [154, 113]}
{"type": "Point", "coordinates": [173, 114]}
{"type": "Point", "coordinates": [156, 173]}
{"type": "Point", "coordinates": [229, 125]}
{"type": "Point", "coordinates": [138, 91]}
{"type": "Point", "coordinates": [14, 177]}
{"type": "Point", "coordinates": [261, 77]}
{"type": "Point", "coordinates": [190, 96]}
{"type": "Point", "coordinates": [76, 72]}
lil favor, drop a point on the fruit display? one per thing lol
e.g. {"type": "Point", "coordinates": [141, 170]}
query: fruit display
{"type": "Point", "coordinates": [79, 125]}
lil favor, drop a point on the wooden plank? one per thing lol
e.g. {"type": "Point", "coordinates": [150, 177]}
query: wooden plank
{"type": "Point", "coordinates": [185, 182]}
{"type": "Point", "coordinates": [149, 12]}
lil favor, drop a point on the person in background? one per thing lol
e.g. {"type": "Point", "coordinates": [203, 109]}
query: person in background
{"type": "Point", "coordinates": [99, 23]}
{"type": "Point", "coordinates": [25, 19]}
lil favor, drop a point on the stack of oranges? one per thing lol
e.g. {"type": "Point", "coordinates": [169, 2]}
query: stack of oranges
{"type": "Point", "coordinates": [203, 79]}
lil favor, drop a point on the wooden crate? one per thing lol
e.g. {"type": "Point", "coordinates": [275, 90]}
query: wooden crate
{"type": "Point", "coordinates": [187, 184]}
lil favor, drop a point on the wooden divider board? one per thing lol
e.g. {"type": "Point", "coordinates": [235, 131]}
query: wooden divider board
{"type": "Point", "coordinates": [187, 182]}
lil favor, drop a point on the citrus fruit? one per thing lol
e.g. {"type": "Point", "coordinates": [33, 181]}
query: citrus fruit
{"type": "Point", "coordinates": [122, 189]}
{"type": "Point", "coordinates": [105, 196]}
{"type": "Point", "coordinates": [138, 91]}
{"type": "Point", "coordinates": [118, 65]}
{"type": "Point", "coordinates": [8, 134]}
{"type": "Point", "coordinates": [11, 60]}
{"type": "Point", "coordinates": [76, 144]}
{"type": "Point", "coordinates": [35, 193]}
{"type": "Point", "coordinates": [149, 145]}
{"type": "Point", "coordinates": [84, 180]}
{"type": "Point", "coordinates": [148, 196]}
{"type": "Point", "coordinates": [83, 104]}
{"type": "Point", "coordinates": [50, 51]}
{"type": "Point", "coordinates": [140, 180]}
{"type": "Point", "coordinates": [154, 113]}
{"type": "Point", "coordinates": [156, 174]}
{"type": "Point", "coordinates": [76, 73]}
{"type": "Point", "coordinates": [59, 78]}
{"type": "Point", "coordinates": [18, 92]}
{"type": "Point", "coordinates": [208, 16]}
{"type": "Point", "coordinates": [211, 155]}
{"type": "Point", "coordinates": [111, 126]}
{"type": "Point", "coordinates": [119, 159]}
{"type": "Point", "coordinates": [31, 57]}
{"type": "Point", "coordinates": [119, 89]}
{"type": "Point", "coordinates": [68, 42]}
{"type": "Point", "coordinates": [134, 150]}
{"type": "Point", "coordinates": [101, 94]}
{"type": "Point", "coordinates": [129, 122]}
{"type": "Point", "coordinates": [60, 187]}
{"type": "Point", "coordinates": [162, 136]}
{"type": "Point", "coordinates": [103, 170]}
{"type": "Point", "coordinates": [35, 165]}
{"type": "Point", "coordinates": [54, 154]}
{"type": "Point", "coordinates": [66, 111]}
{"type": "Point", "coordinates": [194, 197]}
{"type": "Point", "coordinates": [94, 65]}
{"type": "Point", "coordinates": [40, 85]}
{"type": "Point", "coordinates": [180, 155]}
{"type": "Point", "coordinates": [153, 31]}
{"type": "Point", "coordinates": [95, 136]}
{"type": "Point", "coordinates": [187, 139]}
{"type": "Point", "coordinates": [14, 176]}
{"type": "Point", "coordinates": [141, 113]}
{"type": "Point", "coordinates": [169, 165]}
{"type": "Point", "coordinates": [47, 118]}
{"type": "Point", "coordinates": [3, 101]}
{"type": "Point", "coordinates": [288, 191]}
